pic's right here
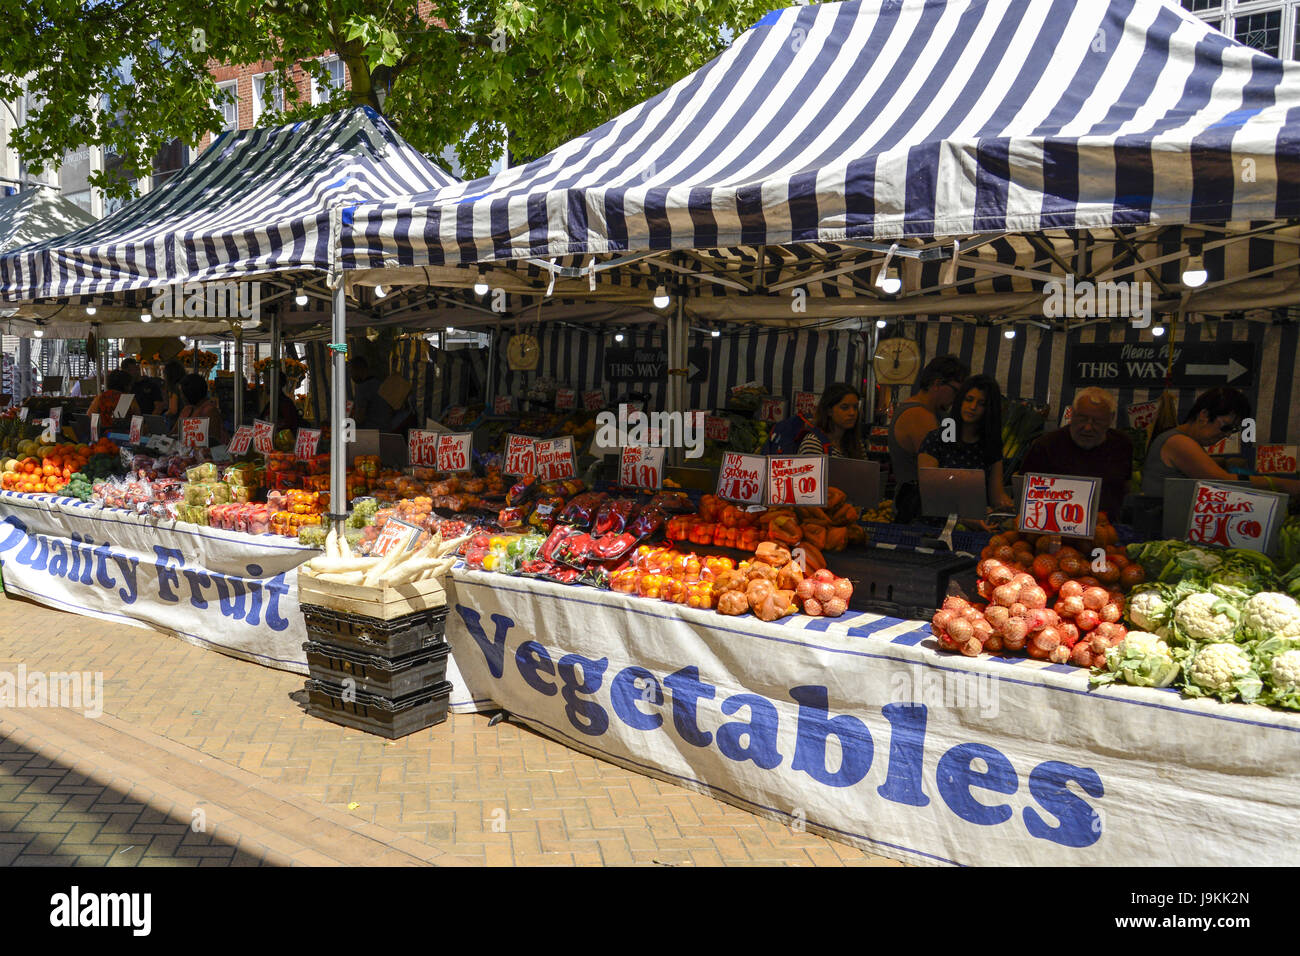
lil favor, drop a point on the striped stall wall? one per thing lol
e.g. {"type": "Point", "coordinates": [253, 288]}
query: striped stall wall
{"type": "Point", "coordinates": [1032, 365]}
{"type": "Point", "coordinates": [783, 361]}
{"type": "Point", "coordinates": [457, 377]}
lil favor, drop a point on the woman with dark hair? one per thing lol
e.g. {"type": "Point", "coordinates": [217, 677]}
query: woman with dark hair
{"type": "Point", "coordinates": [199, 404]}
{"type": "Point", "coordinates": [1180, 451]}
{"type": "Point", "coordinates": [976, 440]}
{"type": "Point", "coordinates": [173, 372]}
{"type": "Point", "coordinates": [105, 403]}
{"type": "Point", "coordinates": [834, 428]}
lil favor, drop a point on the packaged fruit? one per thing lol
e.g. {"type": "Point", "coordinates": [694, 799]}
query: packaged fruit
{"type": "Point", "coordinates": [206, 472]}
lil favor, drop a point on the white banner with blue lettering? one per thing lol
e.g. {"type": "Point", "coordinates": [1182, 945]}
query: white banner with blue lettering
{"type": "Point", "coordinates": [231, 592]}
{"type": "Point", "coordinates": [858, 728]}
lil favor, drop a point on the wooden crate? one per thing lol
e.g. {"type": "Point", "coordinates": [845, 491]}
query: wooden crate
{"type": "Point", "coordinates": [383, 604]}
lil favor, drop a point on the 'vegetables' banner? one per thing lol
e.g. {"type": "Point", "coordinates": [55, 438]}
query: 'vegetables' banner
{"type": "Point", "coordinates": [232, 592]}
{"type": "Point", "coordinates": [858, 727]}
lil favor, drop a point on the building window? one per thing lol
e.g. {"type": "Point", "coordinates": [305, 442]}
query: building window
{"type": "Point", "coordinates": [228, 102]}
{"type": "Point", "coordinates": [337, 80]}
{"type": "Point", "coordinates": [267, 95]}
{"type": "Point", "coordinates": [169, 161]}
{"type": "Point", "coordinates": [1200, 6]}
{"type": "Point", "coordinates": [1263, 31]}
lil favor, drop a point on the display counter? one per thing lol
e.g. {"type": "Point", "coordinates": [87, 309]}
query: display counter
{"type": "Point", "coordinates": [859, 728]}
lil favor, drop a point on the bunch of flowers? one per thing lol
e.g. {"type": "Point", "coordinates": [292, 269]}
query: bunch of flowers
{"type": "Point", "coordinates": [292, 369]}
{"type": "Point", "coordinates": [206, 359]}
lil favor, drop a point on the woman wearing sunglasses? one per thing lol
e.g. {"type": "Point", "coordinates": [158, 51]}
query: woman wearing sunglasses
{"type": "Point", "coordinates": [1180, 452]}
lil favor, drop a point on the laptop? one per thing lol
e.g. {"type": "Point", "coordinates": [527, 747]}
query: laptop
{"type": "Point", "coordinates": [859, 480]}
{"type": "Point", "coordinates": [953, 491]}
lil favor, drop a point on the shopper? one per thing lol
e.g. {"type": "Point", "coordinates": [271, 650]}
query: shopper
{"type": "Point", "coordinates": [1180, 451]}
{"type": "Point", "coordinates": [915, 418]}
{"type": "Point", "coordinates": [199, 404]}
{"type": "Point", "coordinates": [975, 437]}
{"type": "Point", "coordinates": [132, 368]}
{"type": "Point", "coordinates": [173, 372]}
{"type": "Point", "coordinates": [105, 403]}
{"type": "Point", "coordinates": [149, 395]}
{"type": "Point", "coordinates": [1088, 447]}
{"type": "Point", "coordinates": [369, 410]}
{"type": "Point", "coordinates": [834, 429]}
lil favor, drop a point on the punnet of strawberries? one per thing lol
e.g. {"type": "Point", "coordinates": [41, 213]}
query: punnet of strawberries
{"type": "Point", "coordinates": [1044, 598]}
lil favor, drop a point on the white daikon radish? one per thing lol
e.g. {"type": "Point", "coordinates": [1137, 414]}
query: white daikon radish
{"type": "Point", "coordinates": [351, 577]}
{"type": "Point", "coordinates": [343, 565]}
{"type": "Point", "coordinates": [332, 544]}
{"type": "Point", "coordinates": [447, 547]}
{"type": "Point", "coordinates": [345, 549]}
{"type": "Point", "coordinates": [377, 576]}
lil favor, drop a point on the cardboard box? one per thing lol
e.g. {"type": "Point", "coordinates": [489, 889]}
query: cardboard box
{"type": "Point", "coordinates": [394, 391]}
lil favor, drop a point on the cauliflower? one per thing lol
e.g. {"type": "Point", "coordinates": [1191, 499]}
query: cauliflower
{"type": "Point", "coordinates": [1284, 674]}
{"type": "Point", "coordinates": [1203, 616]}
{"type": "Point", "coordinates": [1271, 614]}
{"type": "Point", "coordinates": [1277, 660]}
{"type": "Point", "coordinates": [1224, 671]}
{"type": "Point", "coordinates": [1148, 608]}
{"type": "Point", "coordinates": [1142, 659]}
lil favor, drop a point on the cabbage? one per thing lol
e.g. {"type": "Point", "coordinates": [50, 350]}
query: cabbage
{"type": "Point", "coordinates": [1280, 676]}
{"type": "Point", "coordinates": [1141, 659]}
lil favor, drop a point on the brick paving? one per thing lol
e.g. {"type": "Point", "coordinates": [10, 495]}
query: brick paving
{"type": "Point", "coordinates": [201, 760]}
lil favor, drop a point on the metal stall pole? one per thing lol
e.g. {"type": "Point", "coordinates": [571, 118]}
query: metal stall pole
{"type": "Point", "coordinates": [239, 377]}
{"type": "Point", "coordinates": [24, 367]}
{"type": "Point", "coordinates": [338, 412]}
{"type": "Point", "coordinates": [490, 389]}
{"type": "Point", "coordinates": [273, 382]}
{"type": "Point", "coordinates": [677, 360]}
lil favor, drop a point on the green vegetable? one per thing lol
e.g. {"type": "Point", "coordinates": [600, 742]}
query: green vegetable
{"type": "Point", "coordinates": [1225, 671]}
{"type": "Point", "coordinates": [1277, 661]}
{"type": "Point", "coordinates": [1141, 659]}
{"type": "Point", "coordinates": [1205, 616]}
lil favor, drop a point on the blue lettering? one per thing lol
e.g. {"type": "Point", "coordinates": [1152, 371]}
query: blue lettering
{"type": "Point", "coordinates": [165, 573]}
{"type": "Point", "coordinates": [760, 731]}
{"type": "Point", "coordinates": [74, 558]}
{"type": "Point", "coordinates": [232, 604]}
{"type": "Point", "coordinates": [276, 588]}
{"type": "Point", "coordinates": [33, 555]}
{"type": "Point", "coordinates": [129, 568]}
{"type": "Point", "coordinates": [87, 561]}
{"type": "Point", "coordinates": [687, 689]}
{"type": "Point", "coordinates": [530, 658]}
{"type": "Point", "coordinates": [594, 719]}
{"type": "Point", "coordinates": [956, 777]}
{"type": "Point", "coordinates": [254, 602]}
{"type": "Point", "coordinates": [625, 693]}
{"type": "Point", "coordinates": [906, 754]}
{"type": "Point", "coordinates": [16, 536]}
{"type": "Point", "coordinates": [812, 731]}
{"type": "Point", "coordinates": [58, 559]}
{"type": "Point", "coordinates": [198, 581]}
{"type": "Point", "coordinates": [494, 651]}
{"type": "Point", "coordinates": [102, 577]}
{"type": "Point", "coordinates": [1080, 823]}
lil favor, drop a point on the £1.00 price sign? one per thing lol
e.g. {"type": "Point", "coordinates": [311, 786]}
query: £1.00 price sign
{"type": "Point", "coordinates": [555, 459]}
{"type": "Point", "coordinates": [307, 443]}
{"type": "Point", "coordinates": [742, 478]}
{"type": "Point", "coordinates": [1056, 504]}
{"type": "Point", "coordinates": [642, 466]}
{"type": "Point", "coordinates": [194, 432]}
{"type": "Point", "coordinates": [797, 481]}
{"type": "Point", "coordinates": [772, 410]}
{"type": "Point", "coordinates": [422, 448]}
{"type": "Point", "coordinates": [263, 433]}
{"type": "Point", "coordinates": [1233, 517]}
{"type": "Point", "coordinates": [242, 440]}
{"type": "Point", "coordinates": [454, 451]}
{"type": "Point", "coordinates": [1276, 459]}
{"type": "Point", "coordinates": [521, 455]}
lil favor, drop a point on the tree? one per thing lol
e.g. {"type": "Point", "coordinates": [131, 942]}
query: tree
{"type": "Point", "coordinates": [131, 75]}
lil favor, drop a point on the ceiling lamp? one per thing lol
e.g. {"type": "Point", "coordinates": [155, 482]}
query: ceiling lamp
{"type": "Point", "coordinates": [379, 292]}
{"type": "Point", "coordinates": [481, 286]}
{"type": "Point", "coordinates": [1194, 274]}
{"type": "Point", "coordinates": [300, 298]}
{"type": "Point", "coordinates": [661, 299]}
{"type": "Point", "coordinates": [887, 281]}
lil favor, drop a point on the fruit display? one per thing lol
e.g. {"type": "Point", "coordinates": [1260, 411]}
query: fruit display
{"type": "Point", "coordinates": [882, 513]}
{"type": "Point", "coordinates": [48, 469]}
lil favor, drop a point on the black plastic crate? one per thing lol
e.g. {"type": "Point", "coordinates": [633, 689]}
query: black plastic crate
{"type": "Point", "coordinates": [378, 715]}
{"type": "Point", "coordinates": [900, 582]}
{"type": "Point", "coordinates": [395, 638]}
{"type": "Point", "coordinates": [390, 677]}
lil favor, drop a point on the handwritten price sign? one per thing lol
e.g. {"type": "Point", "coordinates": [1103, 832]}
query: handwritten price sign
{"type": "Point", "coordinates": [396, 534]}
{"type": "Point", "coordinates": [565, 399]}
{"type": "Point", "coordinates": [455, 415]}
{"type": "Point", "coordinates": [797, 481]}
{"type": "Point", "coordinates": [242, 440]}
{"type": "Point", "coordinates": [1055, 504]}
{"type": "Point", "coordinates": [772, 410]}
{"type": "Point", "coordinates": [642, 467]}
{"type": "Point", "coordinates": [263, 432]}
{"type": "Point", "coordinates": [94, 426]}
{"type": "Point", "coordinates": [1233, 517]}
{"type": "Point", "coordinates": [742, 478]}
{"type": "Point", "coordinates": [555, 459]}
{"type": "Point", "coordinates": [504, 404]}
{"type": "Point", "coordinates": [137, 426]}
{"type": "Point", "coordinates": [56, 421]}
{"type": "Point", "coordinates": [454, 451]}
{"type": "Point", "coordinates": [593, 401]}
{"type": "Point", "coordinates": [717, 428]}
{"type": "Point", "coordinates": [521, 455]}
{"type": "Point", "coordinates": [307, 443]}
{"type": "Point", "coordinates": [805, 404]}
{"type": "Point", "coordinates": [194, 432]}
{"type": "Point", "coordinates": [1276, 459]}
{"type": "Point", "coordinates": [422, 447]}
{"type": "Point", "coordinates": [123, 405]}
{"type": "Point", "coordinates": [1142, 414]}
{"type": "Point", "coordinates": [1228, 445]}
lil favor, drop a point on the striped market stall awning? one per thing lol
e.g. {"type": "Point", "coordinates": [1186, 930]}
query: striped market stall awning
{"type": "Point", "coordinates": [884, 121]}
{"type": "Point", "coordinates": [257, 202]}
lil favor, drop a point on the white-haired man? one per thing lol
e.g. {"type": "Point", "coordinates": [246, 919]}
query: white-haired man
{"type": "Point", "coordinates": [1090, 447]}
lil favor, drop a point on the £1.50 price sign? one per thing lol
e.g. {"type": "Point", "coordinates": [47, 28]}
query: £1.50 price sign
{"type": "Point", "coordinates": [642, 466]}
{"type": "Point", "coordinates": [555, 459]}
{"type": "Point", "coordinates": [1276, 459]}
{"type": "Point", "coordinates": [307, 443]}
{"type": "Point", "coordinates": [1233, 517]}
{"type": "Point", "coordinates": [263, 432]}
{"type": "Point", "coordinates": [422, 447]}
{"type": "Point", "coordinates": [1059, 504]}
{"type": "Point", "coordinates": [796, 481]}
{"type": "Point", "coordinates": [521, 455]}
{"type": "Point", "coordinates": [454, 451]}
{"type": "Point", "coordinates": [240, 443]}
{"type": "Point", "coordinates": [742, 478]}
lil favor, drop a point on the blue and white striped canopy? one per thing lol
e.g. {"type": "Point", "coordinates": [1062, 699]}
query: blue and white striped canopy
{"type": "Point", "coordinates": [894, 120]}
{"type": "Point", "coordinates": [256, 202]}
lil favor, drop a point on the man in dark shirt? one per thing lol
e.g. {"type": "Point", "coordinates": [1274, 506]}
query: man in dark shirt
{"type": "Point", "coordinates": [368, 409]}
{"type": "Point", "coordinates": [1088, 447]}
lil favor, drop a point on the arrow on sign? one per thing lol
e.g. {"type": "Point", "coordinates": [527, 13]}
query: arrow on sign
{"type": "Point", "coordinates": [1233, 370]}
{"type": "Point", "coordinates": [694, 370]}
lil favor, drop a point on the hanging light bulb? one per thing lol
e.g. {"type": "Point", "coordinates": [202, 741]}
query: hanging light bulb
{"type": "Point", "coordinates": [450, 329]}
{"type": "Point", "coordinates": [91, 310]}
{"type": "Point", "coordinates": [881, 323]}
{"type": "Point", "coordinates": [715, 333]}
{"type": "Point", "coordinates": [1194, 275]}
{"type": "Point", "coordinates": [146, 316]}
{"type": "Point", "coordinates": [887, 281]}
{"type": "Point", "coordinates": [481, 286]}
{"type": "Point", "coordinates": [618, 337]}
{"type": "Point", "coordinates": [661, 299]}
{"type": "Point", "coordinates": [39, 333]}
{"type": "Point", "coordinates": [379, 292]}
{"type": "Point", "coordinates": [1158, 330]}
{"type": "Point", "coordinates": [300, 298]}
{"type": "Point", "coordinates": [1009, 334]}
